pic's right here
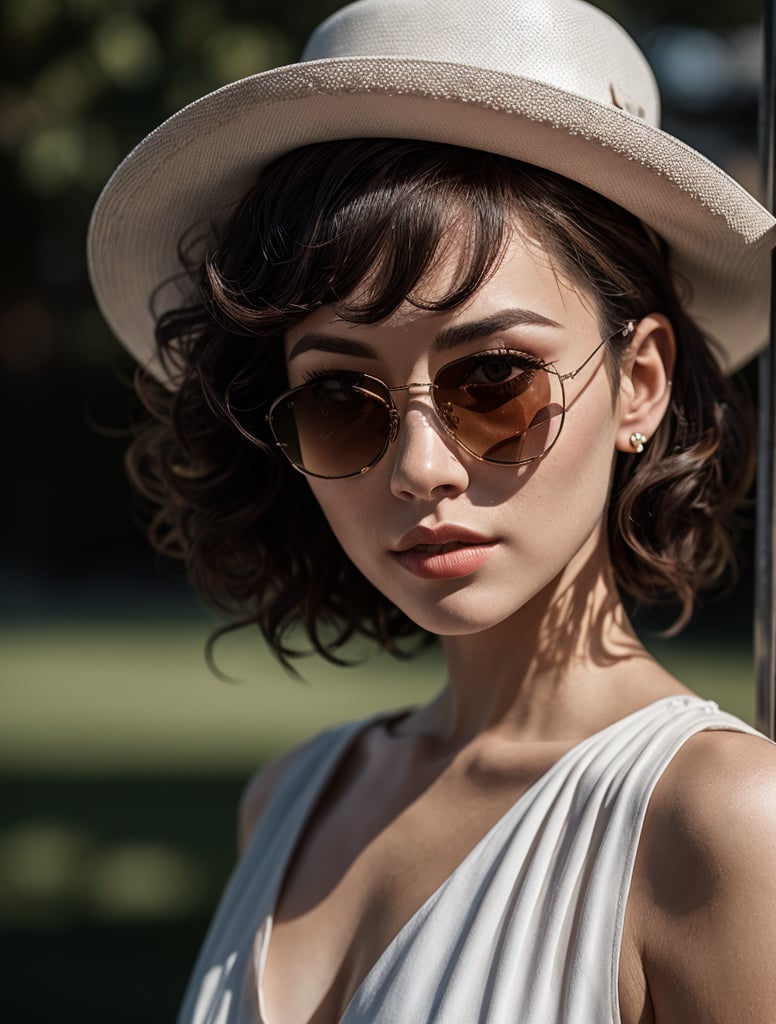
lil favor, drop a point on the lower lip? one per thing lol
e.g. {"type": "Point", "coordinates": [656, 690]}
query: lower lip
{"type": "Point", "coordinates": [445, 565]}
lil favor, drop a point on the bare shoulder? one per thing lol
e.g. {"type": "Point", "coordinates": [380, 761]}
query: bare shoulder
{"type": "Point", "coordinates": [706, 874]}
{"type": "Point", "coordinates": [714, 807]}
{"type": "Point", "coordinates": [258, 791]}
{"type": "Point", "coordinates": [717, 779]}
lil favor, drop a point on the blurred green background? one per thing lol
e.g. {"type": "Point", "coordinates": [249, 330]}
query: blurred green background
{"type": "Point", "coordinates": [121, 756]}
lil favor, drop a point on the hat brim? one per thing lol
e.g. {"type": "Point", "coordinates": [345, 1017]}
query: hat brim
{"type": "Point", "coordinates": [189, 173]}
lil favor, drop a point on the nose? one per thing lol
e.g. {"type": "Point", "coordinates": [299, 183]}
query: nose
{"type": "Point", "coordinates": [428, 463]}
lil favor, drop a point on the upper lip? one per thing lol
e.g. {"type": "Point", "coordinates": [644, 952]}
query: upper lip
{"type": "Point", "coordinates": [445, 533]}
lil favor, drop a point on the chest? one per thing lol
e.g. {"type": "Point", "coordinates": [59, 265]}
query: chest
{"type": "Point", "coordinates": [362, 872]}
{"type": "Point", "coordinates": [450, 870]}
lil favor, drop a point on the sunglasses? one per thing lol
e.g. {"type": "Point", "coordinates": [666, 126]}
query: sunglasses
{"type": "Point", "coordinates": [501, 406]}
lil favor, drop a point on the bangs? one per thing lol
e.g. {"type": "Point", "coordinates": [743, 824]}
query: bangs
{"type": "Point", "coordinates": [361, 226]}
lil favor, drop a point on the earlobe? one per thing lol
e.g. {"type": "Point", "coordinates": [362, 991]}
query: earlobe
{"type": "Point", "coordinates": [645, 382]}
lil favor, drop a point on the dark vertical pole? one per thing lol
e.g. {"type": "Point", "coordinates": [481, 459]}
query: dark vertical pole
{"type": "Point", "coordinates": [765, 603]}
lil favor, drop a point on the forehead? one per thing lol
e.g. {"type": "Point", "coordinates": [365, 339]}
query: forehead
{"type": "Point", "coordinates": [525, 277]}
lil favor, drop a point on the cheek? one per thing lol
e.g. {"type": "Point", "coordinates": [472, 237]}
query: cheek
{"type": "Point", "coordinates": [564, 498]}
{"type": "Point", "coordinates": [343, 505]}
{"type": "Point", "coordinates": [571, 502]}
{"type": "Point", "coordinates": [356, 512]}
{"type": "Point", "coordinates": [579, 465]}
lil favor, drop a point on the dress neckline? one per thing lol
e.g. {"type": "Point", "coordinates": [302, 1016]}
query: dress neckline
{"type": "Point", "coordinates": [349, 737]}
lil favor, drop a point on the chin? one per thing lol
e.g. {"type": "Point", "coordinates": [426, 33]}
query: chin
{"type": "Point", "coordinates": [466, 612]}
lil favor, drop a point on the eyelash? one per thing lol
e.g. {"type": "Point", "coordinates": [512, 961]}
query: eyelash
{"type": "Point", "coordinates": [311, 375]}
{"type": "Point", "coordinates": [525, 360]}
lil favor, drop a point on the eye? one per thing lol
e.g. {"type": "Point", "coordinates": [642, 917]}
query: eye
{"type": "Point", "coordinates": [345, 387]}
{"type": "Point", "coordinates": [329, 378]}
{"type": "Point", "coordinates": [336, 385]}
{"type": "Point", "coordinates": [493, 368]}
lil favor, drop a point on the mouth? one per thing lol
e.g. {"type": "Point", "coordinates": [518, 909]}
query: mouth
{"type": "Point", "coordinates": [440, 549]}
{"type": "Point", "coordinates": [443, 553]}
{"type": "Point", "coordinates": [440, 539]}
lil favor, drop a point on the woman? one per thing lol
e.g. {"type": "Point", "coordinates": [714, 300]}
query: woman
{"type": "Point", "coordinates": [435, 367]}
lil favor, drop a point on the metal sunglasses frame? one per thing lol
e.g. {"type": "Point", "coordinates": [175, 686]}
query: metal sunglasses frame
{"type": "Point", "coordinates": [628, 328]}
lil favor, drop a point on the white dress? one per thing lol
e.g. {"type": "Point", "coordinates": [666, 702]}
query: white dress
{"type": "Point", "coordinates": [526, 930]}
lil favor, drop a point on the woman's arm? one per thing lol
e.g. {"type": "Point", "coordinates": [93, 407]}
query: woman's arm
{"type": "Point", "coordinates": [704, 893]}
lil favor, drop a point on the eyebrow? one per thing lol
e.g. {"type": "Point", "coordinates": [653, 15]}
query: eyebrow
{"type": "Point", "coordinates": [448, 338]}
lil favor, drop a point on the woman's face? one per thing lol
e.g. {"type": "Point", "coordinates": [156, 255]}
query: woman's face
{"type": "Point", "coordinates": [459, 544]}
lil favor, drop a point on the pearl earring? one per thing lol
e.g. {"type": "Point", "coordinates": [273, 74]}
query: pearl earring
{"type": "Point", "coordinates": [638, 440]}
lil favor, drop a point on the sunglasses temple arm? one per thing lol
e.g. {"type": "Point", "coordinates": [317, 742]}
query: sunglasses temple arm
{"type": "Point", "coordinates": [624, 332]}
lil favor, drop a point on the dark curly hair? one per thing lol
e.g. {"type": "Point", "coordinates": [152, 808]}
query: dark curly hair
{"type": "Point", "coordinates": [320, 222]}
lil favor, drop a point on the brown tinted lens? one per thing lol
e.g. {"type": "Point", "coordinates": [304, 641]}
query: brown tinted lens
{"type": "Point", "coordinates": [512, 420]}
{"type": "Point", "coordinates": [334, 426]}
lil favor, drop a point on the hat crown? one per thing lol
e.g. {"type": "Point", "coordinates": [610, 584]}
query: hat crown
{"type": "Point", "coordinates": [554, 83]}
{"type": "Point", "coordinates": [567, 44]}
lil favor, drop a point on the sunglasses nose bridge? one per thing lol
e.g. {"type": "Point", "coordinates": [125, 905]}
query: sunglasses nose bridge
{"type": "Point", "coordinates": [413, 388]}
{"type": "Point", "coordinates": [443, 413]}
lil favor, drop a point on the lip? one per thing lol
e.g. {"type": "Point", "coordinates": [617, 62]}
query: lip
{"type": "Point", "coordinates": [445, 533]}
{"type": "Point", "coordinates": [444, 552]}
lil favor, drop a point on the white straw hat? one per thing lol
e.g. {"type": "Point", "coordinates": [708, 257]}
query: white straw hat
{"type": "Point", "coordinates": [555, 83]}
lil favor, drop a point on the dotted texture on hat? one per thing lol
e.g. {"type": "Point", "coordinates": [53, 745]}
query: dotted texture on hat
{"type": "Point", "coordinates": [184, 179]}
{"type": "Point", "coordinates": [588, 52]}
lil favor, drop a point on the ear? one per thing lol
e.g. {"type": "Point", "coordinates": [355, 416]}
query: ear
{"type": "Point", "coordinates": [645, 379]}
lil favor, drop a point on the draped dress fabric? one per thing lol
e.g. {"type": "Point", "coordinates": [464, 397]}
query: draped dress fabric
{"type": "Point", "coordinates": [526, 930]}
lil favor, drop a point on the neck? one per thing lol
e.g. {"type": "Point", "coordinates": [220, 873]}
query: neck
{"type": "Point", "coordinates": [563, 665]}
